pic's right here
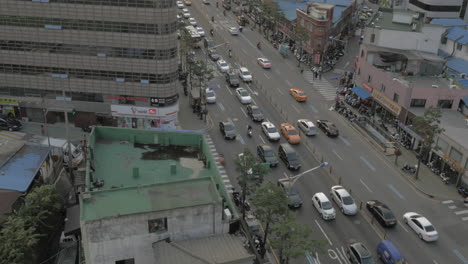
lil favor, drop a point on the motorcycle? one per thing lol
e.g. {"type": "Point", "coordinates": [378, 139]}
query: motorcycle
{"type": "Point", "coordinates": [463, 191]}
{"type": "Point", "coordinates": [249, 132]}
{"type": "Point", "coordinates": [444, 178]}
{"type": "Point", "coordinates": [258, 46]}
{"type": "Point", "coordinates": [410, 169]}
{"type": "Point", "coordinates": [211, 32]}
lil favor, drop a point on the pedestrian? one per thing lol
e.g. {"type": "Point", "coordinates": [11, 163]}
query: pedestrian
{"type": "Point", "coordinates": [302, 70]}
{"type": "Point", "coordinates": [42, 130]}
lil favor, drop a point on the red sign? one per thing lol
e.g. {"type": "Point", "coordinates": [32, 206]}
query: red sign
{"type": "Point", "coordinates": [367, 87]}
{"type": "Point", "coordinates": [152, 111]}
{"type": "Point", "coordinates": [127, 98]}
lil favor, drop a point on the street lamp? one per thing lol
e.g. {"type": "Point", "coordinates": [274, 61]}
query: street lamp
{"type": "Point", "coordinates": [293, 179]}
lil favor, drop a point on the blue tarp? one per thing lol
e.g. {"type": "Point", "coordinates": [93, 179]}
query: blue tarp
{"type": "Point", "coordinates": [464, 83]}
{"type": "Point", "coordinates": [465, 100]}
{"type": "Point", "coordinates": [458, 34]}
{"type": "Point", "coordinates": [449, 22]}
{"type": "Point", "coordinates": [289, 7]}
{"type": "Point", "coordinates": [363, 94]}
{"type": "Point", "coordinates": [458, 64]}
{"type": "Point", "coordinates": [21, 169]}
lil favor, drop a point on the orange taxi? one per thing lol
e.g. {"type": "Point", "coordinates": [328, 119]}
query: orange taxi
{"type": "Point", "coordinates": [298, 94]}
{"type": "Point", "coordinates": [290, 133]}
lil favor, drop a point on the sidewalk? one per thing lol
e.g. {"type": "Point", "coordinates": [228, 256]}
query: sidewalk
{"type": "Point", "coordinates": [57, 130]}
{"type": "Point", "coordinates": [188, 120]}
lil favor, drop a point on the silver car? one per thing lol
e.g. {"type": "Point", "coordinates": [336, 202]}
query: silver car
{"type": "Point", "coordinates": [343, 199]}
{"type": "Point", "coordinates": [210, 96]}
{"type": "Point", "coordinates": [243, 95]}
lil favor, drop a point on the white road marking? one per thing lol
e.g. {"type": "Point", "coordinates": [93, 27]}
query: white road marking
{"type": "Point", "coordinates": [344, 141]}
{"type": "Point", "coordinates": [229, 89]}
{"type": "Point", "coordinates": [295, 108]}
{"type": "Point", "coordinates": [447, 202]}
{"type": "Point", "coordinates": [277, 72]}
{"type": "Point", "coordinates": [260, 136]}
{"type": "Point", "coordinates": [367, 163]}
{"type": "Point", "coordinates": [255, 103]}
{"type": "Point", "coordinates": [461, 212]}
{"type": "Point", "coordinates": [289, 83]}
{"type": "Point", "coordinates": [452, 207]}
{"type": "Point", "coordinates": [266, 75]}
{"type": "Point", "coordinates": [241, 139]}
{"type": "Point", "coordinates": [243, 50]}
{"type": "Point", "coordinates": [402, 226]}
{"type": "Point", "coordinates": [346, 64]}
{"type": "Point", "coordinates": [221, 106]}
{"type": "Point", "coordinates": [464, 218]}
{"type": "Point", "coordinates": [244, 112]}
{"type": "Point", "coordinates": [285, 175]}
{"type": "Point", "coordinates": [313, 108]}
{"type": "Point", "coordinates": [396, 191]}
{"type": "Point", "coordinates": [324, 234]}
{"type": "Point", "coordinates": [337, 155]}
{"type": "Point", "coordinates": [365, 185]}
{"type": "Point", "coordinates": [279, 90]}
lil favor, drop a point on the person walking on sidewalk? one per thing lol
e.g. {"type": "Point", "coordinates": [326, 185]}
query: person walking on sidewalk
{"type": "Point", "coordinates": [43, 130]}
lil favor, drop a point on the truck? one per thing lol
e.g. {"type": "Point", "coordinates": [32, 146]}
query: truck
{"type": "Point", "coordinates": [294, 199]}
{"type": "Point", "coordinates": [59, 147]}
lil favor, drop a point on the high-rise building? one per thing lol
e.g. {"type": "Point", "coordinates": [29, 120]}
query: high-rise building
{"type": "Point", "coordinates": [104, 61]}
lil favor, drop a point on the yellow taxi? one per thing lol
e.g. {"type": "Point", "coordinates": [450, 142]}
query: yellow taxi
{"type": "Point", "coordinates": [290, 133]}
{"type": "Point", "coordinates": [298, 94]}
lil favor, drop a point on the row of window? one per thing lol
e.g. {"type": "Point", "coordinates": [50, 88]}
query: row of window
{"type": "Point", "coordinates": [30, 92]}
{"type": "Point", "coordinates": [90, 74]}
{"type": "Point", "coordinates": [127, 3]}
{"type": "Point", "coordinates": [91, 25]}
{"type": "Point", "coordinates": [435, 8]}
{"type": "Point", "coordinates": [151, 54]}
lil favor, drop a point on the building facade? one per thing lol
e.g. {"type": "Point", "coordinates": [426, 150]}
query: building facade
{"type": "Point", "coordinates": [111, 62]}
{"type": "Point", "coordinates": [437, 8]}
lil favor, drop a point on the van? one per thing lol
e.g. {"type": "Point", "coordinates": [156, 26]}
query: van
{"type": "Point", "coordinates": [289, 156]}
{"type": "Point", "coordinates": [208, 43]}
{"type": "Point", "coordinates": [307, 127]}
{"type": "Point", "coordinates": [389, 254]}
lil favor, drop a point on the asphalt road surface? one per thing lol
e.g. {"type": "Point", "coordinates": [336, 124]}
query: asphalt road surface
{"type": "Point", "coordinates": [353, 161]}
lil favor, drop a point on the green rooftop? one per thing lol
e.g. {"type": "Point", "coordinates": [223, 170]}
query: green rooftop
{"type": "Point", "coordinates": [399, 20]}
{"type": "Point", "coordinates": [134, 171]}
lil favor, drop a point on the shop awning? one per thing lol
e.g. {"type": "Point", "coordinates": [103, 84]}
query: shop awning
{"type": "Point", "coordinates": [363, 94]}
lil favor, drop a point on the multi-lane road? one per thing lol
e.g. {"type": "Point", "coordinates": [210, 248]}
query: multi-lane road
{"type": "Point", "coordinates": [353, 161]}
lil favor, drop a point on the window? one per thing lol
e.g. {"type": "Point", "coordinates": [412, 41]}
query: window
{"type": "Point", "coordinates": [418, 103]}
{"type": "Point", "coordinates": [443, 40]}
{"type": "Point", "coordinates": [459, 46]}
{"type": "Point", "coordinates": [456, 155]}
{"type": "Point", "coordinates": [372, 38]}
{"type": "Point", "coordinates": [395, 97]}
{"type": "Point", "coordinates": [369, 79]}
{"type": "Point", "coordinates": [157, 225]}
{"type": "Point", "coordinates": [362, 53]}
{"type": "Point", "coordinates": [445, 103]}
{"type": "Point", "coordinates": [125, 261]}
{"type": "Point", "coordinates": [382, 88]}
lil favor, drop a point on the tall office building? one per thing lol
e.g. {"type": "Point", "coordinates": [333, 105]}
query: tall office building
{"type": "Point", "coordinates": [114, 61]}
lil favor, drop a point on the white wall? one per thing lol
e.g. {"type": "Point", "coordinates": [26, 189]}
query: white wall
{"type": "Point", "coordinates": [437, 14]}
{"type": "Point", "coordinates": [449, 47]}
{"type": "Point", "coordinates": [108, 240]}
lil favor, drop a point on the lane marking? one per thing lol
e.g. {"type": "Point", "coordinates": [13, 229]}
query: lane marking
{"type": "Point", "coordinates": [365, 185]}
{"type": "Point", "coordinates": [289, 83]}
{"type": "Point", "coordinates": [253, 100]}
{"type": "Point", "coordinates": [313, 108]}
{"type": "Point", "coordinates": [324, 234]}
{"type": "Point", "coordinates": [241, 139]}
{"type": "Point", "coordinates": [344, 141]}
{"type": "Point", "coordinates": [262, 139]}
{"type": "Point", "coordinates": [435, 262]}
{"type": "Point", "coordinates": [396, 191]}
{"type": "Point", "coordinates": [452, 207]}
{"type": "Point", "coordinates": [460, 256]}
{"type": "Point", "coordinates": [295, 108]}
{"type": "Point", "coordinates": [402, 226]}
{"type": "Point", "coordinates": [337, 155]}
{"type": "Point", "coordinates": [461, 212]}
{"type": "Point", "coordinates": [285, 175]}
{"type": "Point", "coordinates": [464, 218]}
{"type": "Point", "coordinates": [279, 90]}
{"type": "Point", "coordinates": [346, 64]}
{"type": "Point", "coordinates": [266, 75]}
{"type": "Point", "coordinates": [243, 50]}
{"type": "Point", "coordinates": [447, 202]}
{"type": "Point", "coordinates": [229, 89]}
{"type": "Point", "coordinates": [244, 112]}
{"type": "Point", "coordinates": [367, 163]}
{"type": "Point", "coordinates": [277, 72]}
{"type": "Point", "coordinates": [221, 106]}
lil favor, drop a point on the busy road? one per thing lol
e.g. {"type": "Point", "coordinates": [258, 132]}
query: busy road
{"type": "Point", "coordinates": [354, 162]}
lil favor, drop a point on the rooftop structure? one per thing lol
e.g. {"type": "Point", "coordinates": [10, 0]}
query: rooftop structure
{"type": "Point", "coordinates": [396, 19]}
{"type": "Point", "coordinates": [449, 22]}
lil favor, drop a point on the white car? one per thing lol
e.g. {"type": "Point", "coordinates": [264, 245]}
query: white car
{"type": "Point", "coordinates": [307, 127]}
{"type": "Point", "coordinates": [210, 96]}
{"type": "Point", "coordinates": [180, 4]}
{"type": "Point", "coordinates": [245, 75]}
{"type": "Point", "coordinates": [264, 63]}
{"type": "Point", "coordinates": [192, 21]}
{"type": "Point", "coordinates": [200, 31]}
{"type": "Point", "coordinates": [343, 199]}
{"type": "Point", "coordinates": [234, 31]}
{"type": "Point", "coordinates": [243, 95]}
{"type": "Point", "coordinates": [425, 230]}
{"type": "Point", "coordinates": [323, 206]}
{"type": "Point", "coordinates": [186, 14]}
{"type": "Point", "coordinates": [222, 65]}
{"type": "Point", "coordinates": [270, 131]}
{"type": "Point", "coordinates": [206, 2]}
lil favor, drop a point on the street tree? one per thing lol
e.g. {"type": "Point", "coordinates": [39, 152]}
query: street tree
{"type": "Point", "coordinates": [299, 35]}
{"type": "Point", "coordinates": [271, 204]}
{"type": "Point", "coordinates": [292, 239]}
{"type": "Point", "coordinates": [428, 128]}
{"type": "Point", "coordinates": [251, 174]}
{"type": "Point", "coordinates": [200, 74]}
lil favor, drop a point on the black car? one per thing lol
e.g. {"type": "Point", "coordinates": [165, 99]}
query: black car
{"type": "Point", "coordinates": [255, 113]}
{"type": "Point", "coordinates": [9, 123]}
{"type": "Point", "coordinates": [328, 128]}
{"type": "Point", "coordinates": [382, 213]}
{"type": "Point", "coordinates": [228, 130]}
{"type": "Point", "coordinates": [289, 156]}
{"type": "Point", "coordinates": [267, 155]}
{"type": "Point", "coordinates": [232, 79]}
{"type": "Point", "coordinates": [359, 254]}
{"type": "Point", "coordinates": [214, 56]}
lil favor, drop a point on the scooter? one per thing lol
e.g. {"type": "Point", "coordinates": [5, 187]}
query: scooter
{"type": "Point", "coordinates": [410, 169]}
{"type": "Point", "coordinates": [463, 191]}
{"type": "Point", "coordinates": [249, 132]}
{"type": "Point", "coordinates": [444, 179]}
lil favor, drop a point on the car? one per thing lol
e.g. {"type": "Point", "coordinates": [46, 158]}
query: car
{"type": "Point", "coordinates": [209, 43]}
{"type": "Point", "coordinates": [192, 21]}
{"type": "Point", "coordinates": [234, 31]}
{"type": "Point", "coordinates": [264, 63]}
{"type": "Point", "coordinates": [290, 133]}
{"type": "Point", "coordinates": [9, 123]}
{"type": "Point", "coordinates": [328, 127]}
{"type": "Point", "coordinates": [180, 4]}
{"type": "Point", "coordinates": [294, 199]}
{"type": "Point", "coordinates": [255, 113]}
{"type": "Point", "coordinates": [270, 131]}
{"type": "Point", "coordinates": [222, 65]}
{"type": "Point", "coordinates": [188, 2]}
{"type": "Point", "coordinates": [307, 127]}
{"type": "Point", "coordinates": [245, 75]}
{"type": "Point", "coordinates": [289, 156]}
{"type": "Point", "coordinates": [323, 206]}
{"type": "Point", "coordinates": [214, 56]}
{"type": "Point", "coordinates": [267, 155]}
{"type": "Point", "coordinates": [382, 213]}
{"type": "Point", "coordinates": [232, 79]}
{"type": "Point", "coordinates": [210, 96]}
{"type": "Point", "coordinates": [200, 31]}
{"type": "Point", "coordinates": [425, 230]}
{"type": "Point", "coordinates": [343, 199]}
{"type": "Point", "coordinates": [298, 94]}
{"type": "Point", "coordinates": [206, 2]}
{"type": "Point", "coordinates": [228, 130]}
{"type": "Point", "coordinates": [186, 13]}
{"type": "Point", "coordinates": [243, 96]}
{"type": "Point", "coordinates": [358, 253]}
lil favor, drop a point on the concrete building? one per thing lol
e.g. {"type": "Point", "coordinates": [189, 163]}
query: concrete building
{"type": "Point", "coordinates": [454, 43]}
{"type": "Point", "coordinates": [148, 193]}
{"type": "Point", "coordinates": [112, 62]}
{"type": "Point", "coordinates": [437, 8]}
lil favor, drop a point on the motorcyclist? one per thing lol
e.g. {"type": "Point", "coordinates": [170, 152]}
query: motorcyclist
{"type": "Point", "coordinates": [258, 45]}
{"type": "Point", "coordinates": [230, 53]}
{"type": "Point", "coordinates": [224, 12]}
{"type": "Point", "coordinates": [212, 19]}
{"type": "Point", "coordinates": [249, 129]}
{"type": "Point", "coordinates": [211, 32]}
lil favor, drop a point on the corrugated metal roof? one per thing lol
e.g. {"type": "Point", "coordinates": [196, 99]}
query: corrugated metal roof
{"type": "Point", "coordinates": [460, 35]}
{"type": "Point", "coordinates": [289, 7]}
{"type": "Point", "coordinates": [464, 82]}
{"type": "Point", "coordinates": [449, 22]}
{"type": "Point", "coordinates": [457, 64]}
{"type": "Point", "coordinates": [20, 170]}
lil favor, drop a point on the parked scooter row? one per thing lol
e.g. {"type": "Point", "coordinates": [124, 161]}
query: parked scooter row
{"type": "Point", "coordinates": [409, 168]}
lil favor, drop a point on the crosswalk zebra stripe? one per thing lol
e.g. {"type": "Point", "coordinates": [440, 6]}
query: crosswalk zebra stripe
{"type": "Point", "coordinates": [327, 90]}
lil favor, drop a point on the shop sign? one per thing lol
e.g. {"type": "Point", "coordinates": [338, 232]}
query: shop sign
{"type": "Point", "coordinates": [386, 102]}
{"type": "Point", "coordinates": [8, 101]}
{"type": "Point", "coordinates": [143, 112]}
{"type": "Point", "coordinates": [125, 98]}
{"type": "Point", "coordinates": [367, 87]}
{"type": "Point", "coordinates": [453, 163]}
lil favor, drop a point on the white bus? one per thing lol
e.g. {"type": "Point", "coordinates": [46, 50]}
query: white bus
{"type": "Point", "coordinates": [197, 39]}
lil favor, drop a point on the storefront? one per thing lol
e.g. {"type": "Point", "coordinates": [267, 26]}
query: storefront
{"type": "Point", "coordinates": [145, 117]}
{"type": "Point", "coordinates": [9, 107]}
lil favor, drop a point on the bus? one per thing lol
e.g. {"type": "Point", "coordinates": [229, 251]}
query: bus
{"type": "Point", "coordinates": [196, 38]}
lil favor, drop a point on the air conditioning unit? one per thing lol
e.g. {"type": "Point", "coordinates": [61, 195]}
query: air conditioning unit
{"type": "Point", "coordinates": [453, 86]}
{"type": "Point", "coordinates": [413, 26]}
{"type": "Point", "coordinates": [435, 86]}
{"type": "Point", "coordinates": [462, 76]}
{"type": "Point", "coordinates": [227, 214]}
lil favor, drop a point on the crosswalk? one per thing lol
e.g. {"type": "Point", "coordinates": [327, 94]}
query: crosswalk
{"type": "Point", "coordinates": [218, 158]}
{"type": "Point", "coordinates": [325, 88]}
{"type": "Point", "coordinates": [462, 212]}
{"type": "Point", "coordinates": [11, 135]}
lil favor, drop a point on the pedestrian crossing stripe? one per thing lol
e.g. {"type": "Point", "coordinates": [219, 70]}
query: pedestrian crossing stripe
{"type": "Point", "coordinates": [327, 90]}
{"type": "Point", "coordinates": [12, 135]}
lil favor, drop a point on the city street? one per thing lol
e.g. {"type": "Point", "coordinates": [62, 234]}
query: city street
{"type": "Point", "coordinates": [354, 162]}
